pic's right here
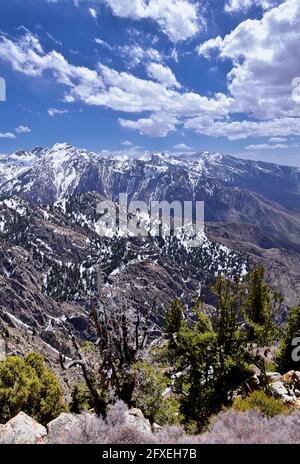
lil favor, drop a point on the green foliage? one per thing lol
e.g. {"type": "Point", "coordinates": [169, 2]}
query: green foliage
{"type": "Point", "coordinates": [88, 346]}
{"type": "Point", "coordinates": [215, 354]}
{"type": "Point", "coordinates": [284, 359]}
{"type": "Point", "coordinates": [80, 399]}
{"type": "Point", "coordinates": [173, 318]}
{"type": "Point", "coordinates": [259, 306]}
{"type": "Point", "coordinates": [169, 412]}
{"type": "Point", "coordinates": [213, 367]}
{"type": "Point", "coordinates": [27, 385]}
{"type": "Point", "coordinates": [267, 405]}
{"type": "Point", "coordinates": [149, 384]}
{"type": "Point", "coordinates": [270, 366]}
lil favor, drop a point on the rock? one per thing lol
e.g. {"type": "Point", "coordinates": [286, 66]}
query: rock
{"type": "Point", "coordinates": [63, 425]}
{"type": "Point", "coordinates": [279, 389]}
{"type": "Point", "coordinates": [167, 393]}
{"type": "Point", "coordinates": [22, 429]}
{"type": "Point", "coordinates": [288, 399]}
{"type": "Point", "coordinates": [136, 418]}
{"type": "Point", "coordinates": [296, 404]}
{"type": "Point", "coordinates": [291, 378]}
{"type": "Point", "coordinates": [273, 377]}
{"type": "Point", "coordinates": [156, 428]}
{"type": "Point", "coordinates": [71, 428]}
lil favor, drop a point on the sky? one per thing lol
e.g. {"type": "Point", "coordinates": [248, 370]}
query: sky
{"type": "Point", "coordinates": [152, 75]}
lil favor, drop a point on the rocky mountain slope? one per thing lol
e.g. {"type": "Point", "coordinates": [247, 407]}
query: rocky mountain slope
{"type": "Point", "coordinates": [234, 191]}
{"type": "Point", "coordinates": [51, 260]}
{"type": "Point", "coordinates": [51, 256]}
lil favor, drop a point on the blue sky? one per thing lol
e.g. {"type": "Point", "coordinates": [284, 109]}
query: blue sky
{"type": "Point", "coordinates": [152, 75]}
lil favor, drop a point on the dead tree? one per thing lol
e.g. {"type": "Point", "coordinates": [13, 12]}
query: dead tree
{"type": "Point", "coordinates": [121, 340]}
{"type": "Point", "coordinates": [81, 361]}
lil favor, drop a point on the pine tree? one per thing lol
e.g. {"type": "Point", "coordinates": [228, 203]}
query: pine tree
{"type": "Point", "coordinates": [284, 358]}
{"type": "Point", "coordinates": [27, 385]}
{"type": "Point", "coordinates": [259, 306]}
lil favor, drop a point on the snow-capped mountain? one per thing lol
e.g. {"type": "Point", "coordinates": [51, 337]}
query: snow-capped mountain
{"type": "Point", "coordinates": [234, 190]}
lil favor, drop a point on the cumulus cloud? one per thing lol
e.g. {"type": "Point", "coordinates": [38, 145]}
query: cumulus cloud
{"type": "Point", "coordinates": [135, 55]}
{"type": "Point", "coordinates": [235, 130]}
{"type": "Point", "coordinates": [127, 143]}
{"type": "Point", "coordinates": [163, 74]}
{"type": "Point", "coordinates": [266, 57]}
{"type": "Point", "coordinates": [179, 19]}
{"type": "Point", "coordinates": [233, 6]}
{"type": "Point", "coordinates": [183, 147]}
{"type": "Point", "coordinates": [121, 91]}
{"type": "Point", "coordinates": [22, 130]}
{"type": "Point", "coordinates": [7, 135]}
{"type": "Point", "coordinates": [157, 125]}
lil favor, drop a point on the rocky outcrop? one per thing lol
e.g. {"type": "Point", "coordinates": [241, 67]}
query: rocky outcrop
{"type": "Point", "coordinates": [134, 417]}
{"type": "Point", "coordinates": [286, 387]}
{"type": "Point", "coordinates": [22, 429]}
{"type": "Point", "coordinates": [75, 429]}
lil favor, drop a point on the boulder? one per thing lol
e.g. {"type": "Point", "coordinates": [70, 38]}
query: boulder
{"type": "Point", "coordinates": [279, 389]}
{"type": "Point", "coordinates": [71, 428]}
{"type": "Point", "coordinates": [136, 418]}
{"type": "Point", "coordinates": [291, 378]}
{"type": "Point", "coordinates": [156, 428]}
{"type": "Point", "coordinates": [273, 377]}
{"type": "Point", "coordinates": [22, 429]}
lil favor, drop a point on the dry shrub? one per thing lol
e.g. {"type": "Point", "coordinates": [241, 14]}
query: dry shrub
{"type": "Point", "coordinates": [230, 427]}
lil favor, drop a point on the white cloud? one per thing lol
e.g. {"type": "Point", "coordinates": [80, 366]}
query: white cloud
{"type": "Point", "coordinates": [163, 74]}
{"type": "Point", "coordinates": [183, 147]}
{"type": "Point", "coordinates": [7, 135]}
{"type": "Point", "coordinates": [28, 57]}
{"type": "Point", "coordinates": [93, 13]}
{"type": "Point", "coordinates": [233, 6]}
{"type": "Point", "coordinates": [103, 43]}
{"type": "Point", "coordinates": [235, 130]}
{"type": "Point", "coordinates": [121, 91]}
{"type": "Point", "coordinates": [127, 143]}
{"type": "Point", "coordinates": [267, 146]}
{"type": "Point", "coordinates": [157, 125]}
{"type": "Point", "coordinates": [22, 130]}
{"type": "Point", "coordinates": [277, 140]}
{"type": "Point", "coordinates": [265, 55]}
{"type": "Point", "coordinates": [179, 19]}
{"type": "Point", "coordinates": [135, 55]}
{"type": "Point", "coordinates": [53, 112]}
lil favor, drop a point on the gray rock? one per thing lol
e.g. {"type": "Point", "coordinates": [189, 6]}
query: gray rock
{"type": "Point", "coordinates": [156, 428]}
{"type": "Point", "coordinates": [74, 429]}
{"type": "Point", "coordinates": [22, 429]}
{"type": "Point", "coordinates": [279, 389]}
{"type": "Point", "coordinates": [136, 418]}
{"type": "Point", "coordinates": [273, 377]}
